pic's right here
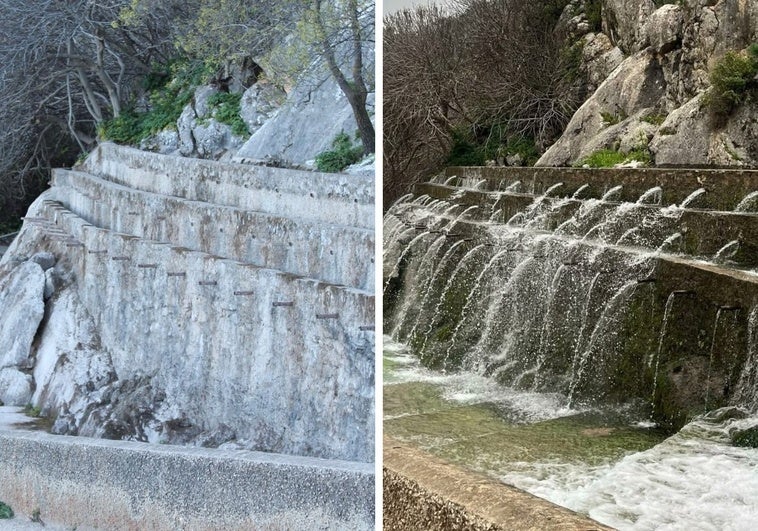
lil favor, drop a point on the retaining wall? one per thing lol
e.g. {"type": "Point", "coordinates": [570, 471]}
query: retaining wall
{"type": "Point", "coordinates": [117, 485]}
{"type": "Point", "coordinates": [336, 199]}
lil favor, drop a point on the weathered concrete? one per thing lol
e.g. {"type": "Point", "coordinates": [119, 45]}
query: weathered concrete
{"type": "Point", "coordinates": [674, 332]}
{"type": "Point", "coordinates": [215, 341]}
{"type": "Point", "coordinates": [335, 199]}
{"type": "Point", "coordinates": [115, 485]}
{"type": "Point", "coordinates": [336, 254]}
{"type": "Point", "coordinates": [424, 492]}
{"type": "Point", "coordinates": [703, 232]}
{"type": "Point", "coordinates": [724, 188]}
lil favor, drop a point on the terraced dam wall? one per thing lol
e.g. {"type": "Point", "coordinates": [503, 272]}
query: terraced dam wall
{"type": "Point", "coordinates": [169, 300]}
{"type": "Point", "coordinates": [633, 287]}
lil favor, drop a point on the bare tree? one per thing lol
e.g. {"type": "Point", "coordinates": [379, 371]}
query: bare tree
{"type": "Point", "coordinates": [348, 27]}
{"type": "Point", "coordinates": [490, 70]}
{"type": "Point", "coordinates": [67, 66]}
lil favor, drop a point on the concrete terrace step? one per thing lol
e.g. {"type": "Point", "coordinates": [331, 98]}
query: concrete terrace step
{"type": "Point", "coordinates": [702, 233]}
{"type": "Point", "coordinates": [241, 327]}
{"type": "Point", "coordinates": [336, 199]}
{"type": "Point", "coordinates": [724, 188]}
{"type": "Point", "coordinates": [335, 254]}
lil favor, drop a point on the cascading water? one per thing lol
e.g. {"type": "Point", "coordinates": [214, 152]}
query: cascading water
{"type": "Point", "coordinates": [567, 307]}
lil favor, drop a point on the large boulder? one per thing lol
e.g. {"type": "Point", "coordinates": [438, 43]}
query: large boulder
{"type": "Point", "coordinates": [663, 29]}
{"type": "Point", "coordinates": [303, 127]}
{"type": "Point", "coordinates": [21, 310]}
{"type": "Point", "coordinates": [259, 103]}
{"type": "Point", "coordinates": [623, 21]}
{"type": "Point", "coordinates": [673, 49]}
{"type": "Point", "coordinates": [636, 85]}
{"type": "Point", "coordinates": [689, 136]}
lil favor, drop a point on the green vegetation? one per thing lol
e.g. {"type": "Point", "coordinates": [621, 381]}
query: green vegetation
{"type": "Point", "coordinates": [607, 158]}
{"type": "Point", "coordinates": [746, 438]}
{"type": "Point", "coordinates": [32, 411]}
{"type": "Point", "coordinates": [655, 119]}
{"type": "Point", "coordinates": [341, 156]}
{"type": "Point", "coordinates": [613, 118]}
{"type": "Point", "coordinates": [6, 513]}
{"type": "Point", "coordinates": [732, 81]}
{"type": "Point", "coordinates": [593, 10]}
{"type": "Point", "coordinates": [170, 93]}
{"type": "Point", "coordinates": [470, 149]}
{"type": "Point", "coordinates": [227, 111]}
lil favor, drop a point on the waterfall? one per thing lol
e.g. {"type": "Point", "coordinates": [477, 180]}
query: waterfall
{"type": "Point", "coordinates": [564, 297]}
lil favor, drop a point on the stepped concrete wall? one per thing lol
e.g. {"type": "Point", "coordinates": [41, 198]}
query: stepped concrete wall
{"type": "Point", "coordinates": [119, 485]}
{"type": "Point", "coordinates": [196, 303]}
{"type": "Point", "coordinates": [724, 188]}
{"type": "Point", "coordinates": [648, 304]}
{"type": "Point", "coordinates": [337, 199]}
{"type": "Point", "coordinates": [337, 254]}
{"type": "Point", "coordinates": [687, 327]}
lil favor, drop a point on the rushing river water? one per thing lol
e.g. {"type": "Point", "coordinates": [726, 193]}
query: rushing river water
{"type": "Point", "coordinates": [618, 469]}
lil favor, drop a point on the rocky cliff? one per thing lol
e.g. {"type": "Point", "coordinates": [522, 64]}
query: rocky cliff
{"type": "Point", "coordinates": [648, 70]}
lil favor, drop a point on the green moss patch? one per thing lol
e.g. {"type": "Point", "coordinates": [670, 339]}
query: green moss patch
{"type": "Point", "coordinates": [6, 513]}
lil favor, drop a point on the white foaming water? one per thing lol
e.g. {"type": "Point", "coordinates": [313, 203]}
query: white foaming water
{"type": "Point", "coordinates": [693, 480]}
{"type": "Point", "coordinates": [468, 388]}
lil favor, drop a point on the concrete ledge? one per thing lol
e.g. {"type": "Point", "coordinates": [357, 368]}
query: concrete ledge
{"type": "Point", "coordinates": [423, 492]}
{"type": "Point", "coordinates": [334, 198]}
{"type": "Point", "coordinates": [115, 485]}
{"type": "Point", "coordinates": [334, 254]}
{"type": "Point", "coordinates": [724, 188]}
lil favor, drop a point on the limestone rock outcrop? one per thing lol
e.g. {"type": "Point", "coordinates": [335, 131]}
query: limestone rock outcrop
{"type": "Point", "coordinates": [662, 60]}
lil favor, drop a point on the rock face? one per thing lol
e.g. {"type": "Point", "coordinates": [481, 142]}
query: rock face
{"type": "Point", "coordinates": [21, 311]}
{"type": "Point", "coordinates": [662, 60]}
{"type": "Point", "coordinates": [303, 127]}
{"type": "Point", "coordinates": [195, 302]}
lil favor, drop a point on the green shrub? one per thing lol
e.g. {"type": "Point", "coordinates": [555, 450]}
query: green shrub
{"type": "Point", "coordinates": [655, 119]}
{"type": "Point", "coordinates": [341, 156]}
{"type": "Point", "coordinates": [6, 513]}
{"type": "Point", "coordinates": [612, 118]}
{"type": "Point", "coordinates": [732, 80]}
{"type": "Point", "coordinates": [607, 158]}
{"type": "Point", "coordinates": [464, 152]}
{"type": "Point", "coordinates": [167, 101]}
{"type": "Point", "coordinates": [228, 111]}
{"type": "Point", "coordinates": [491, 143]}
{"type": "Point", "coordinates": [593, 11]}
{"type": "Point", "coordinates": [32, 411]}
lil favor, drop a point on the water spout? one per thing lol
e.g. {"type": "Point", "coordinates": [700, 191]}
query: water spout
{"type": "Point", "coordinates": [690, 198]}
{"type": "Point", "coordinates": [610, 194]}
{"type": "Point", "coordinates": [653, 196]}
{"type": "Point", "coordinates": [727, 252]}
{"type": "Point", "coordinates": [748, 203]}
{"type": "Point", "coordinates": [579, 190]}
